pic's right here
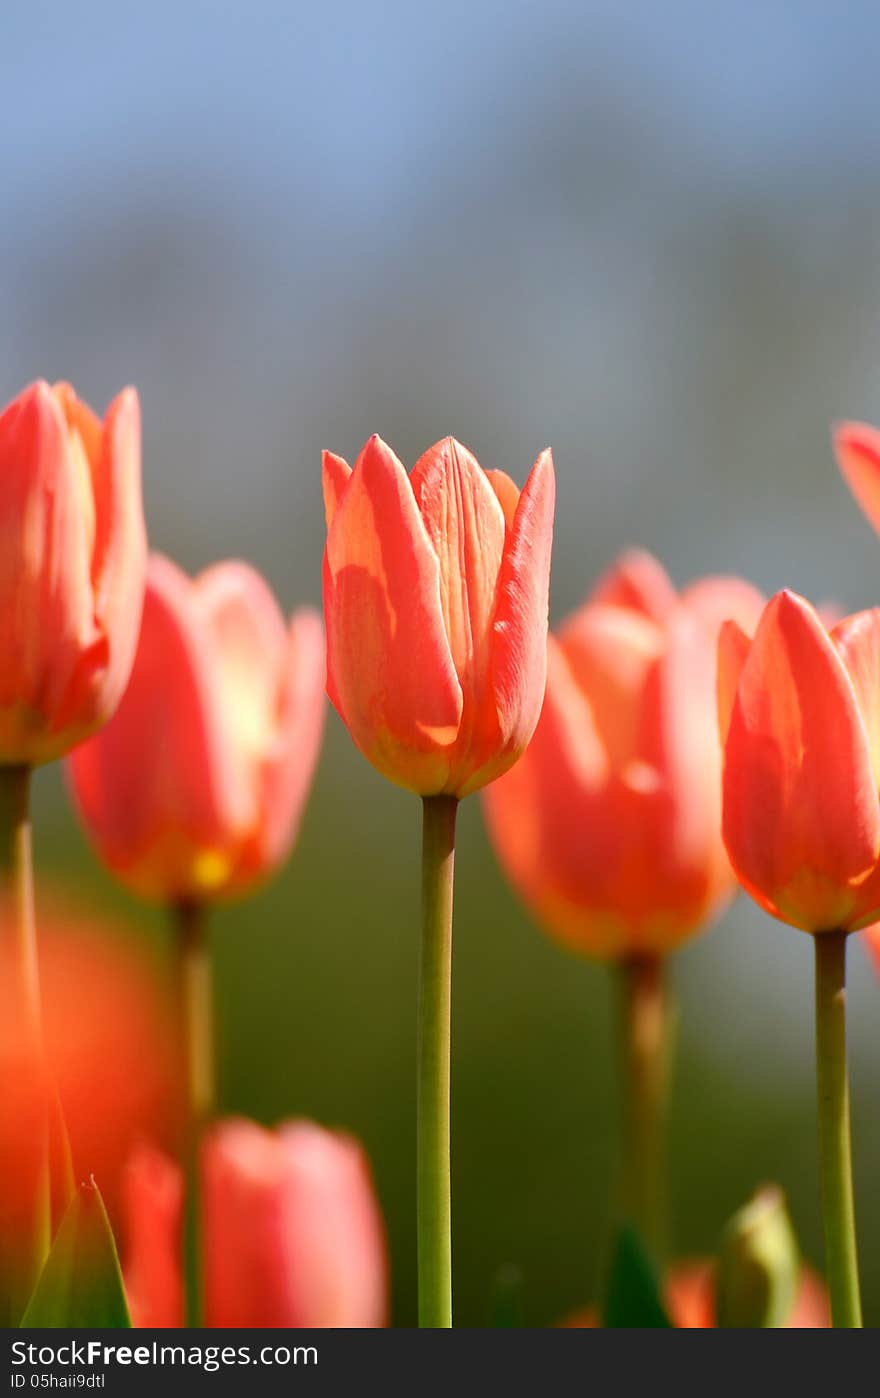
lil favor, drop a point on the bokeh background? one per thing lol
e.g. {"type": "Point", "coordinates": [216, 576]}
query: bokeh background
{"type": "Point", "coordinates": [647, 235]}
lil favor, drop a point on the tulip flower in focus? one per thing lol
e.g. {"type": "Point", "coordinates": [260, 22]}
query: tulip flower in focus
{"type": "Point", "coordinates": [435, 605]}
{"type": "Point", "coordinates": [436, 591]}
{"type": "Point", "coordinates": [197, 786]}
{"type": "Point", "coordinates": [292, 1234]}
{"type": "Point", "coordinates": [801, 710]}
{"type": "Point", "coordinates": [609, 826]}
{"type": "Point", "coordinates": [802, 764]}
{"type": "Point", "coordinates": [72, 567]}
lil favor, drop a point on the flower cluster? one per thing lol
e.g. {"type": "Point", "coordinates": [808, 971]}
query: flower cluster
{"type": "Point", "coordinates": [656, 750]}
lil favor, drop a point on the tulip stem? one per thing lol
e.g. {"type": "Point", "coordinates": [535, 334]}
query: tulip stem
{"type": "Point", "coordinates": [195, 982]}
{"type": "Point", "coordinates": [435, 999]}
{"type": "Point", "coordinates": [21, 1001]}
{"type": "Point", "coordinates": [835, 1159]}
{"type": "Point", "coordinates": [646, 1044]}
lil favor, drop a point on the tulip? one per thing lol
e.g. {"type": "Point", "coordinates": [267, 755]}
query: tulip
{"type": "Point", "coordinates": [195, 789]}
{"type": "Point", "coordinates": [609, 826]}
{"type": "Point", "coordinates": [71, 590]}
{"type": "Point", "coordinates": [292, 1233]}
{"type": "Point", "coordinates": [435, 603]}
{"type": "Point", "coordinates": [801, 822]}
{"type": "Point", "coordinates": [72, 572]}
{"type": "Point", "coordinates": [197, 786]}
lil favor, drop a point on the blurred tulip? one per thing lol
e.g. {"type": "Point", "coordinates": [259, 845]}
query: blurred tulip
{"type": "Point", "coordinates": [109, 1050]}
{"type": "Point", "coordinates": [197, 786]}
{"type": "Point", "coordinates": [609, 826]}
{"type": "Point", "coordinates": [858, 453]}
{"type": "Point", "coordinates": [802, 764]}
{"type": "Point", "coordinates": [72, 567]}
{"type": "Point", "coordinates": [292, 1231]}
{"type": "Point", "coordinates": [435, 604]}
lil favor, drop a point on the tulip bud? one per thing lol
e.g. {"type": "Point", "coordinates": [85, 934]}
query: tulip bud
{"type": "Point", "coordinates": [290, 1227]}
{"type": "Point", "coordinates": [72, 568]}
{"type": "Point", "coordinates": [435, 605]}
{"type": "Point", "coordinates": [758, 1265]}
{"type": "Point", "coordinates": [197, 786]}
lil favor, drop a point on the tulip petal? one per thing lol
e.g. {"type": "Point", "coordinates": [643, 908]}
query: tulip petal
{"type": "Point", "coordinates": [390, 668]}
{"type": "Point", "coordinates": [733, 647]}
{"type": "Point", "coordinates": [508, 494]}
{"type": "Point", "coordinates": [610, 650]}
{"type": "Point", "coordinates": [857, 639]}
{"type": "Point", "coordinates": [858, 454]}
{"type": "Point", "coordinates": [518, 669]}
{"type": "Point", "coordinates": [247, 630]}
{"type": "Point", "coordinates": [465, 524]}
{"type": "Point", "coordinates": [335, 476]}
{"type": "Point", "coordinates": [288, 771]}
{"type": "Point", "coordinates": [718, 599]}
{"type": "Point", "coordinates": [119, 560]}
{"type": "Point", "coordinates": [153, 1226]}
{"type": "Point", "coordinates": [638, 581]}
{"type": "Point", "coordinates": [801, 819]}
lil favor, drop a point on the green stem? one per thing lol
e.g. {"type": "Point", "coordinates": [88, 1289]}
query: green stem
{"type": "Point", "coordinates": [195, 995]}
{"type": "Point", "coordinates": [835, 1162]}
{"type": "Point", "coordinates": [21, 999]}
{"type": "Point", "coordinates": [435, 998]}
{"type": "Point", "coordinates": [646, 1043]}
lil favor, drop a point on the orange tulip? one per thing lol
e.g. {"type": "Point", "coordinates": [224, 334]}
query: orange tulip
{"type": "Point", "coordinates": [196, 787]}
{"type": "Point", "coordinates": [71, 568]}
{"type": "Point", "coordinates": [292, 1231]}
{"type": "Point", "coordinates": [858, 454]}
{"type": "Point", "coordinates": [435, 604]}
{"type": "Point", "coordinates": [802, 764]}
{"type": "Point", "coordinates": [609, 826]}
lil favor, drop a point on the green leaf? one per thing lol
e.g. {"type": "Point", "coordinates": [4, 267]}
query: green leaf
{"type": "Point", "coordinates": [632, 1294]}
{"type": "Point", "coordinates": [81, 1284]}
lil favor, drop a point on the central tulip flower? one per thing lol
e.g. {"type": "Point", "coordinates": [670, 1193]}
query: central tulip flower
{"type": "Point", "coordinates": [609, 826]}
{"type": "Point", "coordinates": [435, 604]}
{"type": "Point", "coordinates": [71, 569]}
{"type": "Point", "coordinates": [196, 787]}
{"type": "Point", "coordinates": [293, 1236]}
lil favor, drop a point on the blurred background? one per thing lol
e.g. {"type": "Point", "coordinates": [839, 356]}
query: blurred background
{"type": "Point", "coordinates": [646, 235]}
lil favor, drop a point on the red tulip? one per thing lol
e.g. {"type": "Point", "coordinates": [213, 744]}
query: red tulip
{"type": "Point", "coordinates": [197, 786]}
{"type": "Point", "coordinates": [292, 1231]}
{"type": "Point", "coordinates": [435, 604]}
{"type": "Point", "coordinates": [609, 826]}
{"type": "Point", "coordinates": [71, 567]}
{"type": "Point", "coordinates": [858, 454]}
{"type": "Point", "coordinates": [109, 1050]}
{"type": "Point", "coordinates": [802, 764]}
